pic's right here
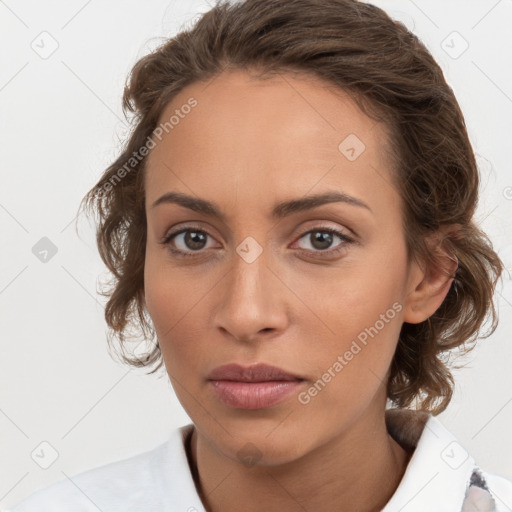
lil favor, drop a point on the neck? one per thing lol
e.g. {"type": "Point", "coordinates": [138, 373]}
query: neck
{"type": "Point", "coordinates": [335, 476]}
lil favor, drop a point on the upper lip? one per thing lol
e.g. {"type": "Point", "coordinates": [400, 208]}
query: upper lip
{"type": "Point", "coordinates": [255, 373]}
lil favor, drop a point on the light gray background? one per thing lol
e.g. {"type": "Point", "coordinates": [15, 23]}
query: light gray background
{"type": "Point", "coordinates": [61, 123]}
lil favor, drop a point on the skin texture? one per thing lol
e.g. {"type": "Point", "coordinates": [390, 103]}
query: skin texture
{"type": "Point", "coordinates": [247, 145]}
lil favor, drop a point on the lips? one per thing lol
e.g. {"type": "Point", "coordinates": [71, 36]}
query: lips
{"type": "Point", "coordinates": [254, 387]}
{"type": "Point", "coordinates": [255, 373]}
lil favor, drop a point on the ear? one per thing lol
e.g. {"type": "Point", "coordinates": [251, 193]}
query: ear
{"type": "Point", "coordinates": [429, 281]}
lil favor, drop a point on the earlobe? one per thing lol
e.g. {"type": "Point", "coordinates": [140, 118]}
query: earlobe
{"type": "Point", "coordinates": [429, 286]}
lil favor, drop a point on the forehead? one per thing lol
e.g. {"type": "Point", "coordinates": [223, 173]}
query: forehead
{"type": "Point", "coordinates": [282, 135]}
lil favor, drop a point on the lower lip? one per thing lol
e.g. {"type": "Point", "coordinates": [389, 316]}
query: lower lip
{"type": "Point", "coordinates": [253, 395]}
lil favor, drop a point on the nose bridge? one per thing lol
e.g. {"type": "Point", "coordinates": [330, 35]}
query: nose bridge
{"type": "Point", "coordinates": [248, 277]}
{"type": "Point", "coordinates": [250, 301]}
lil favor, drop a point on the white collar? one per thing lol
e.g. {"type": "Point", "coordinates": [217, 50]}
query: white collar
{"type": "Point", "coordinates": [439, 471]}
{"type": "Point", "coordinates": [174, 476]}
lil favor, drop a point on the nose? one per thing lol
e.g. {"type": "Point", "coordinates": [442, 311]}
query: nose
{"type": "Point", "coordinates": [252, 302]}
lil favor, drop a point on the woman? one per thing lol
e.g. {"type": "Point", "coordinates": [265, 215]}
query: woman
{"type": "Point", "coordinates": [291, 223]}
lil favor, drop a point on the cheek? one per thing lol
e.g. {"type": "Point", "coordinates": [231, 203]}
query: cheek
{"type": "Point", "coordinates": [175, 304]}
{"type": "Point", "coordinates": [164, 302]}
{"type": "Point", "coordinates": [364, 333]}
{"type": "Point", "coordinates": [350, 368]}
{"type": "Point", "coordinates": [361, 314]}
{"type": "Point", "coordinates": [167, 292]}
{"type": "Point", "coordinates": [348, 303]}
{"type": "Point", "coordinates": [157, 293]}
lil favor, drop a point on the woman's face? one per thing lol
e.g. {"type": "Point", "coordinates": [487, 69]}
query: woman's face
{"type": "Point", "coordinates": [261, 284]}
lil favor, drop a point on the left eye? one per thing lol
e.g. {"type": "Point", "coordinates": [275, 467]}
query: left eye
{"type": "Point", "coordinates": [320, 240]}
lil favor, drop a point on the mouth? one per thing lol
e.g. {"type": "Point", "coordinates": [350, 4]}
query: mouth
{"type": "Point", "coordinates": [255, 373]}
{"type": "Point", "coordinates": [254, 387]}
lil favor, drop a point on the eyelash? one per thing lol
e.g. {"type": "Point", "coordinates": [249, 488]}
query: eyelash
{"type": "Point", "coordinates": [330, 252]}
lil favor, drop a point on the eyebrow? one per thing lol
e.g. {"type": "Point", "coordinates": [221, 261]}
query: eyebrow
{"type": "Point", "coordinates": [280, 210]}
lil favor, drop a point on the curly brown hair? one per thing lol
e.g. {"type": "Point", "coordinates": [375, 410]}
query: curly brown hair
{"type": "Point", "coordinates": [392, 77]}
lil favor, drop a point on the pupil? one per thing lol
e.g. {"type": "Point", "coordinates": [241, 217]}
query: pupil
{"type": "Point", "coordinates": [321, 239]}
{"type": "Point", "coordinates": [194, 240]}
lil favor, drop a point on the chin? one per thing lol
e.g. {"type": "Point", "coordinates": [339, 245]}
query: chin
{"type": "Point", "coordinates": [255, 443]}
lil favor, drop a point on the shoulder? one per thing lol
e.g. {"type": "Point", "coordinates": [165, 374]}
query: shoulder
{"type": "Point", "coordinates": [142, 482]}
{"type": "Point", "coordinates": [107, 487]}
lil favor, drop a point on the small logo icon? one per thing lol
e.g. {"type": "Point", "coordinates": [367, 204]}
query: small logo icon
{"type": "Point", "coordinates": [351, 147]}
{"type": "Point", "coordinates": [249, 455]}
{"type": "Point", "coordinates": [45, 45]}
{"type": "Point", "coordinates": [454, 45]}
{"type": "Point", "coordinates": [44, 250]}
{"type": "Point", "coordinates": [249, 250]}
{"type": "Point", "coordinates": [44, 455]}
{"type": "Point", "coordinates": [454, 455]}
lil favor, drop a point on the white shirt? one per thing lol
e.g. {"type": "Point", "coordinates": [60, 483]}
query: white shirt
{"type": "Point", "coordinates": [436, 479]}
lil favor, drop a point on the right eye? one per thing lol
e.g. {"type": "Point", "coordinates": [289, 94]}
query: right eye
{"type": "Point", "coordinates": [186, 241]}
